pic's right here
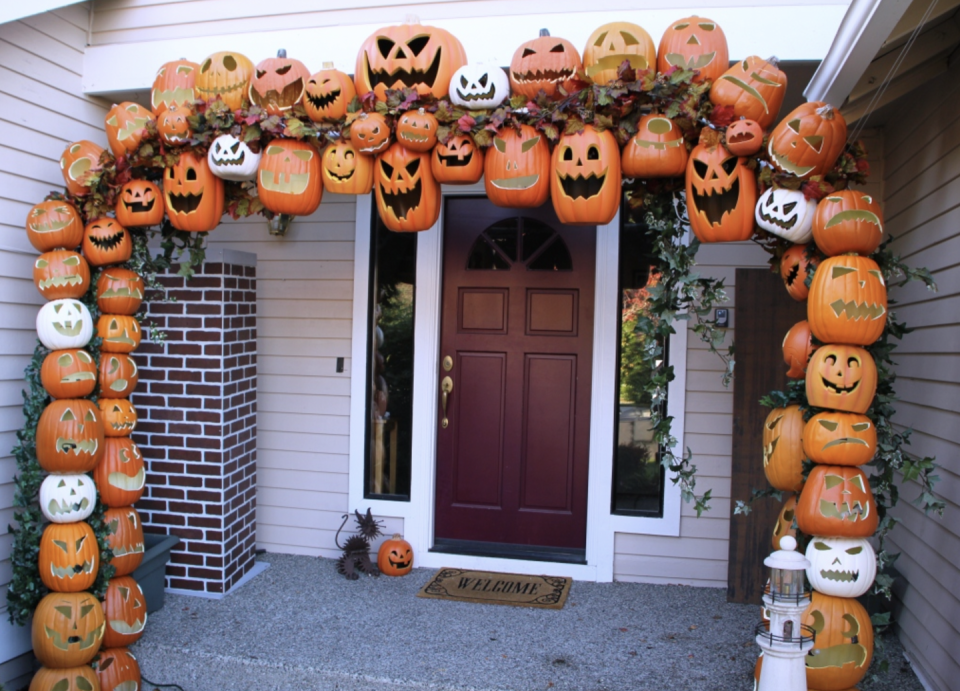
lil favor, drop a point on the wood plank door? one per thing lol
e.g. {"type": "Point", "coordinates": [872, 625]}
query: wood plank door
{"type": "Point", "coordinates": [765, 312]}
{"type": "Point", "coordinates": [516, 343]}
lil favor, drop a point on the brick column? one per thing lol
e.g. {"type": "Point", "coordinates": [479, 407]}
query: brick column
{"type": "Point", "coordinates": [197, 422]}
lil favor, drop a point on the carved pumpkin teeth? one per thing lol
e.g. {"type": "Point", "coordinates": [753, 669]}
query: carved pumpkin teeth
{"type": "Point", "coordinates": [785, 165]}
{"type": "Point", "coordinates": [858, 310]}
{"type": "Point", "coordinates": [581, 187]}
{"type": "Point", "coordinates": [717, 204]}
{"type": "Point", "coordinates": [108, 242]}
{"type": "Point", "coordinates": [553, 76]}
{"type": "Point", "coordinates": [375, 149]}
{"type": "Point", "coordinates": [48, 227]}
{"type": "Point", "coordinates": [70, 571]}
{"type": "Point", "coordinates": [59, 282]}
{"type": "Point", "coordinates": [284, 183]}
{"type": "Point", "coordinates": [339, 178]}
{"type": "Point", "coordinates": [139, 207]}
{"type": "Point", "coordinates": [55, 508]}
{"type": "Point", "coordinates": [840, 576]}
{"type": "Point", "coordinates": [185, 203]}
{"type": "Point", "coordinates": [220, 90]}
{"type": "Point", "coordinates": [657, 146]}
{"type": "Point", "coordinates": [282, 100]}
{"type": "Point", "coordinates": [453, 162]}
{"type": "Point", "coordinates": [126, 629]}
{"type": "Point", "coordinates": [477, 97]}
{"type": "Point", "coordinates": [122, 551]}
{"type": "Point", "coordinates": [402, 203]}
{"type": "Point", "coordinates": [324, 100]}
{"type": "Point", "coordinates": [414, 136]}
{"type": "Point", "coordinates": [837, 388]}
{"type": "Point", "coordinates": [696, 62]}
{"type": "Point", "coordinates": [409, 79]}
{"type": "Point", "coordinates": [739, 137]}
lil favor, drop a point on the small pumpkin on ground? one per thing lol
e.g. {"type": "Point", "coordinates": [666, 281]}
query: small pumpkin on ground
{"type": "Point", "coordinates": [395, 556]}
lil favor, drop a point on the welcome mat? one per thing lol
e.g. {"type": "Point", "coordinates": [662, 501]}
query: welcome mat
{"type": "Point", "coordinates": [545, 592]}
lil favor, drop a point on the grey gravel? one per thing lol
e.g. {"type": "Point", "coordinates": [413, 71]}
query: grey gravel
{"type": "Point", "coordinates": [299, 625]}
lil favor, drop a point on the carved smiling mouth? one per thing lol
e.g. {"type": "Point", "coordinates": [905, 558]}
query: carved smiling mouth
{"type": "Point", "coordinates": [122, 551]}
{"type": "Point", "coordinates": [185, 203]}
{"type": "Point", "coordinates": [524, 182]}
{"type": "Point", "coordinates": [844, 511]}
{"type": "Point", "coordinates": [837, 388]}
{"type": "Point", "coordinates": [785, 224]}
{"type": "Point", "coordinates": [476, 97]}
{"type": "Point", "coordinates": [858, 310]}
{"type": "Point", "coordinates": [552, 76]}
{"type": "Point", "coordinates": [402, 203]}
{"type": "Point", "coordinates": [339, 178]}
{"type": "Point", "coordinates": [715, 205]}
{"type": "Point", "coordinates": [581, 187]}
{"type": "Point", "coordinates": [613, 62]}
{"type": "Point", "coordinates": [106, 243]}
{"type": "Point", "coordinates": [85, 642]}
{"type": "Point", "coordinates": [792, 275]}
{"type": "Point", "coordinates": [67, 445]}
{"type": "Point", "coordinates": [71, 571]}
{"type": "Point", "coordinates": [414, 136]}
{"type": "Point", "coordinates": [372, 149]}
{"type": "Point", "coordinates": [402, 77]}
{"type": "Point", "coordinates": [324, 100]}
{"type": "Point", "coordinates": [696, 62]}
{"type": "Point", "coordinates": [55, 507]}
{"type": "Point", "coordinates": [220, 90]}
{"type": "Point", "coordinates": [399, 564]}
{"type": "Point", "coordinates": [768, 451]}
{"type": "Point", "coordinates": [739, 137]}
{"type": "Point", "coordinates": [658, 146]}
{"type": "Point", "coordinates": [60, 282]}
{"type": "Point", "coordinates": [840, 576]}
{"type": "Point", "coordinates": [126, 629]}
{"type": "Point", "coordinates": [453, 161]}
{"type": "Point", "coordinates": [784, 163]}
{"type": "Point", "coordinates": [139, 207]}
{"type": "Point", "coordinates": [231, 161]}
{"type": "Point", "coordinates": [48, 227]}
{"type": "Point", "coordinates": [130, 483]}
{"type": "Point", "coordinates": [283, 100]}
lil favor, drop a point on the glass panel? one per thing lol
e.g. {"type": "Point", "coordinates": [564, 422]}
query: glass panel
{"type": "Point", "coordinates": [504, 235]}
{"type": "Point", "coordinates": [393, 263]}
{"type": "Point", "coordinates": [556, 257]}
{"type": "Point", "coordinates": [484, 257]}
{"type": "Point", "coordinates": [535, 234]}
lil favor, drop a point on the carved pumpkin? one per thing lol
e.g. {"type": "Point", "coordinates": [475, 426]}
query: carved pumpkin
{"type": "Point", "coordinates": [54, 224]}
{"type": "Point", "coordinates": [395, 556]}
{"type": "Point", "coordinates": [60, 274]}
{"type": "Point", "coordinates": [744, 138]}
{"type": "Point", "coordinates": [119, 291]}
{"type": "Point", "coordinates": [610, 45]}
{"type": "Point", "coordinates": [370, 133]}
{"type": "Point", "coordinates": [118, 376]}
{"type": "Point", "coordinates": [278, 83]}
{"type": "Point", "coordinates": [125, 537]}
{"type": "Point", "coordinates": [843, 649]}
{"type": "Point", "coordinates": [545, 64]}
{"type": "Point", "coordinates": [288, 179]}
{"type": "Point", "coordinates": [721, 195]}
{"type": "Point", "coordinates": [836, 500]}
{"type": "Point", "coordinates": [119, 416]}
{"type": "Point", "coordinates": [808, 141]}
{"type": "Point", "coordinates": [754, 88]}
{"type": "Point", "coordinates": [834, 438]}
{"type": "Point", "coordinates": [120, 475]}
{"type": "Point", "coordinates": [174, 85]}
{"type": "Point", "coordinates": [345, 171]}
{"type": "Point", "coordinates": [120, 333]}
{"type": "Point", "coordinates": [118, 670]}
{"type": "Point", "coordinates": [140, 203]}
{"type": "Point", "coordinates": [125, 609]}
{"type": "Point", "coordinates": [848, 221]}
{"type": "Point", "coordinates": [848, 301]}
{"type": "Point", "coordinates": [410, 56]}
{"type": "Point", "coordinates": [77, 160]}
{"type": "Point", "coordinates": [79, 678]}
{"type": "Point", "coordinates": [841, 377]}
{"type": "Point", "coordinates": [795, 265]}
{"type": "Point", "coordinates": [68, 374]}
{"type": "Point", "coordinates": [694, 43]}
{"type": "Point", "coordinates": [479, 86]}
{"type": "Point", "coordinates": [231, 159]}
{"type": "Point", "coordinates": [785, 521]}
{"type": "Point", "coordinates": [327, 95]}
{"type": "Point", "coordinates": [70, 436]}
{"type": "Point", "coordinates": [516, 169]}
{"type": "Point", "coordinates": [459, 161]}
{"type": "Point", "coordinates": [585, 179]}
{"type": "Point", "coordinates": [67, 629]}
{"type": "Point", "coordinates": [105, 241]}
{"type": "Point", "coordinates": [417, 130]}
{"type": "Point", "coordinates": [225, 75]}
{"type": "Point", "coordinates": [193, 195]}
{"type": "Point", "coordinates": [69, 557]}
{"type": "Point", "coordinates": [783, 448]}
{"type": "Point", "coordinates": [64, 324]}
{"type": "Point", "coordinates": [797, 349]}
{"type": "Point", "coordinates": [786, 213]}
{"type": "Point", "coordinates": [173, 126]}
{"type": "Point", "coordinates": [657, 150]}
{"type": "Point", "coordinates": [67, 498]}
{"type": "Point", "coordinates": [126, 125]}
{"type": "Point", "coordinates": [408, 198]}
{"type": "Point", "coordinates": [841, 566]}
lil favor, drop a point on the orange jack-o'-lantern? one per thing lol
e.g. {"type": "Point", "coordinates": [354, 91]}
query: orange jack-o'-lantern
{"type": "Point", "coordinates": [79, 678]}
{"type": "Point", "coordinates": [120, 475]}
{"type": "Point", "coordinates": [327, 95]}
{"type": "Point", "coordinates": [834, 438]}
{"type": "Point", "coordinates": [125, 609]}
{"type": "Point", "coordinates": [53, 225]}
{"type": "Point", "coordinates": [119, 416]}
{"type": "Point", "coordinates": [797, 348]}
{"type": "Point", "coordinates": [754, 88]}
{"type": "Point", "coordinates": [69, 557]}
{"type": "Point", "coordinates": [173, 126]}
{"type": "Point", "coordinates": [785, 524]}
{"type": "Point", "coordinates": [841, 377]}
{"type": "Point", "coordinates": [417, 130]}
{"type": "Point", "coordinates": [119, 291]}
{"type": "Point", "coordinates": [118, 669]}
{"type": "Point", "coordinates": [744, 138]}
{"type": "Point", "coordinates": [694, 43]}
{"type": "Point", "coordinates": [408, 197]}
{"type": "Point", "coordinates": [783, 448]}
{"type": "Point", "coordinates": [721, 195]}
{"type": "Point", "coordinates": [370, 133]}
{"type": "Point", "coordinates": [657, 150]}
{"type": "Point", "coordinates": [174, 85]}
{"type": "Point", "coordinates": [67, 629]}
{"type": "Point", "coordinates": [345, 171]}
{"type": "Point", "coordinates": [76, 161]}
{"type": "Point", "coordinates": [70, 436]}
{"type": "Point", "coordinates": [836, 500]}
{"type": "Point", "coordinates": [288, 178]}
{"type": "Point", "coordinates": [610, 45]}
{"type": "Point", "coordinates": [848, 221]}
{"type": "Point", "coordinates": [126, 124]}
{"type": "Point", "coordinates": [60, 274]}
{"type": "Point", "coordinates": [226, 75]}
{"type": "Point", "coordinates": [809, 140]}
{"type": "Point", "coordinates": [105, 241]}
{"type": "Point", "coordinates": [516, 169]}
{"type": "Point", "coordinates": [458, 161]}
{"type": "Point", "coordinates": [193, 195]}
{"type": "Point", "coordinates": [118, 375]}
{"type": "Point", "coordinates": [843, 649]}
{"type": "Point", "coordinates": [585, 177]}
{"type": "Point", "coordinates": [795, 266]}
{"type": "Point", "coordinates": [278, 83]}
{"type": "Point", "coordinates": [546, 63]}
{"type": "Point", "coordinates": [125, 537]}
{"type": "Point", "coordinates": [848, 301]}
{"type": "Point", "coordinates": [395, 556]}
{"type": "Point", "coordinates": [69, 373]}
{"type": "Point", "coordinates": [120, 333]}
{"type": "Point", "coordinates": [139, 204]}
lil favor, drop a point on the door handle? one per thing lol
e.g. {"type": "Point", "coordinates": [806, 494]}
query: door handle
{"type": "Point", "coordinates": [446, 387]}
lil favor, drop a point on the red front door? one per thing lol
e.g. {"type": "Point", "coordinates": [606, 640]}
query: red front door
{"type": "Point", "coordinates": [516, 344]}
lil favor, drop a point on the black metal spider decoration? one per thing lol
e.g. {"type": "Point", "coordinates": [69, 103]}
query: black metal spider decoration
{"type": "Point", "coordinates": [356, 550]}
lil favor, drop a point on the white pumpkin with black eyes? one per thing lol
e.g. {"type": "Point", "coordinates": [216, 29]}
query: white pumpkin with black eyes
{"type": "Point", "coordinates": [63, 324]}
{"type": "Point", "coordinates": [786, 213]}
{"type": "Point", "coordinates": [841, 566]}
{"type": "Point", "coordinates": [67, 498]}
{"type": "Point", "coordinates": [231, 159]}
{"type": "Point", "coordinates": [479, 86]}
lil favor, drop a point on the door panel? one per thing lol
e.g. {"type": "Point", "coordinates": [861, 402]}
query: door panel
{"type": "Point", "coordinates": [479, 457]}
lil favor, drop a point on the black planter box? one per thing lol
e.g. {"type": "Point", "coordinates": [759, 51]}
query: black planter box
{"type": "Point", "coordinates": [149, 575]}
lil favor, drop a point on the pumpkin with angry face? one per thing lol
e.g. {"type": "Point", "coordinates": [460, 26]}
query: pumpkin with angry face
{"type": "Point", "coordinates": [225, 75]}
{"type": "Point", "coordinates": [848, 301]}
{"type": "Point", "coordinates": [173, 126]}
{"type": "Point", "coordinates": [67, 629]}
{"type": "Point", "coordinates": [120, 333]}
{"type": "Point", "coordinates": [60, 274]}
{"type": "Point", "coordinates": [119, 416]}
{"type": "Point", "coordinates": [694, 43]}
{"type": "Point", "coordinates": [836, 500]}
{"type": "Point", "coordinates": [395, 556]}
{"type": "Point", "coordinates": [139, 203]}
{"type": "Point", "coordinates": [657, 150]}
{"type": "Point", "coordinates": [105, 241]}
{"type": "Point", "coordinates": [458, 161]}
{"type": "Point", "coordinates": [610, 45]}
{"type": "Point", "coordinates": [118, 375]}
{"type": "Point", "coordinates": [744, 138]}
{"type": "Point", "coordinates": [69, 373]}
{"type": "Point", "coordinates": [783, 448]}
{"type": "Point", "coordinates": [120, 475]}
{"type": "Point", "coordinates": [76, 161]}
{"type": "Point", "coordinates": [585, 180]}
{"type": "Point", "coordinates": [69, 557]}
{"type": "Point", "coordinates": [232, 159]}
{"type": "Point", "coordinates": [843, 649]}
{"type": "Point", "coordinates": [70, 436]}
{"type": "Point", "coordinates": [125, 609]}
{"type": "Point", "coordinates": [721, 195]}
{"type": "Point", "coordinates": [841, 377]}
{"type": "Point", "coordinates": [754, 88]}
{"type": "Point", "coordinates": [417, 130]}
{"type": "Point", "coordinates": [174, 85]}
{"type": "Point", "coordinates": [54, 224]}
{"type": "Point", "coordinates": [516, 169]}
{"type": "Point", "coordinates": [545, 64]}
{"type": "Point", "coordinates": [408, 196]}
{"type": "Point", "coordinates": [479, 86]}
{"type": "Point", "coordinates": [345, 171]}
{"type": "Point", "coordinates": [63, 324]}
{"type": "Point", "coordinates": [278, 83]}
{"type": "Point", "coordinates": [797, 349]}
{"type": "Point", "coordinates": [126, 124]}
{"type": "Point", "coordinates": [848, 221]}
{"type": "Point", "coordinates": [327, 94]}
{"type": "Point", "coordinates": [370, 133]}
{"type": "Point", "coordinates": [795, 266]}
{"type": "Point", "coordinates": [125, 537]}
{"type": "Point", "coordinates": [786, 213]}
{"type": "Point", "coordinates": [119, 291]}
{"type": "Point", "coordinates": [834, 438]}
{"type": "Point", "coordinates": [67, 498]}
{"type": "Point", "coordinates": [193, 195]}
{"type": "Point", "coordinates": [288, 179]}
{"type": "Point", "coordinates": [841, 566]}
{"type": "Point", "coordinates": [808, 141]}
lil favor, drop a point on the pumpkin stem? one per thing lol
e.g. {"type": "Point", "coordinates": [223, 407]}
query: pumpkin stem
{"type": "Point", "coordinates": [282, 53]}
{"type": "Point", "coordinates": [397, 536]}
{"type": "Point", "coordinates": [774, 60]}
{"type": "Point", "coordinates": [327, 65]}
{"type": "Point", "coordinates": [826, 111]}
{"type": "Point", "coordinates": [544, 32]}
{"type": "Point", "coordinates": [411, 19]}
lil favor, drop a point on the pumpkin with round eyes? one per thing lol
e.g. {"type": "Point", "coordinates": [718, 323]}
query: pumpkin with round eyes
{"type": "Point", "coordinates": [173, 126]}
{"type": "Point", "coordinates": [516, 169]}
{"type": "Point", "coordinates": [70, 436]}
{"type": "Point", "coordinates": [795, 266]}
{"type": "Point", "coordinates": [278, 83]}
{"type": "Point", "coordinates": [67, 629]}
{"type": "Point", "coordinates": [417, 130]}
{"type": "Point", "coordinates": [694, 43]}
{"type": "Point", "coordinates": [785, 521]}
{"type": "Point", "coordinates": [118, 670]}
{"type": "Point", "coordinates": [834, 438]}
{"type": "Point", "coordinates": [119, 416]}
{"type": "Point", "coordinates": [120, 475]}
{"type": "Point", "coordinates": [118, 375]}
{"type": "Point", "coordinates": [754, 88]}
{"type": "Point", "coordinates": [64, 324]}
{"type": "Point", "coordinates": [67, 498]}
{"type": "Point", "coordinates": [119, 291]}
{"type": "Point", "coordinates": [69, 557]}
{"type": "Point", "coordinates": [843, 649]}
{"type": "Point", "coordinates": [79, 678]}
{"type": "Point", "coordinates": [395, 556]}
{"type": "Point", "coordinates": [786, 213]}
{"type": "Point", "coordinates": [841, 566]}
{"type": "Point", "coordinates": [327, 94]}
{"type": "Point", "coordinates": [458, 161]}
{"type": "Point", "coordinates": [370, 133]}
{"type": "Point", "coordinates": [848, 301]}
{"type": "Point", "coordinates": [125, 537]}
{"type": "Point", "coordinates": [70, 373]}
{"type": "Point", "coordinates": [174, 85]}
{"type": "Point", "coordinates": [408, 197]}
{"type": "Point", "coordinates": [610, 45]}
{"type": "Point", "coordinates": [54, 225]}
{"type": "Point", "coordinates": [744, 138]}
{"type": "Point", "coordinates": [288, 179]}
{"type": "Point", "coordinates": [408, 56]}
{"type": "Point", "coordinates": [225, 75]}
{"type": "Point", "coordinates": [60, 274]}
{"type": "Point", "coordinates": [139, 204]}
{"type": "Point", "coordinates": [125, 609]}
{"type": "Point", "coordinates": [479, 86]}
{"type": "Point", "coordinates": [230, 158]}
{"type": "Point", "coordinates": [585, 179]}
{"type": "Point", "coordinates": [77, 160]}
{"type": "Point", "coordinates": [545, 64]}
{"type": "Point", "coordinates": [848, 221]}
{"type": "Point", "coordinates": [193, 195]}
{"type": "Point", "coordinates": [841, 377]}
{"type": "Point", "coordinates": [721, 195]}
{"type": "Point", "coordinates": [809, 140]}
{"type": "Point", "coordinates": [345, 171]}
{"type": "Point", "coordinates": [797, 349]}
{"type": "Point", "coordinates": [126, 125]}
{"type": "Point", "coordinates": [120, 333]}
{"type": "Point", "coordinates": [657, 150]}
{"type": "Point", "coordinates": [105, 241]}
{"type": "Point", "coordinates": [836, 500]}
{"type": "Point", "coordinates": [783, 448]}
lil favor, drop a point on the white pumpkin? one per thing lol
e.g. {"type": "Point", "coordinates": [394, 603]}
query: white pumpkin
{"type": "Point", "coordinates": [841, 566]}
{"type": "Point", "coordinates": [479, 86]}
{"type": "Point", "coordinates": [67, 498]}
{"type": "Point", "coordinates": [231, 159]}
{"type": "Point", "coordinates": [786, 213]}
{"type": "Point", "coordinates": [63, 324]}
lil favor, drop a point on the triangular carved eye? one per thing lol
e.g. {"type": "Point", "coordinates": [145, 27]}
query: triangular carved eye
{"type": "Point", "coordinates": [599, 42]}
{"type": "Point", "coordinates": [794, 125]}
{"type": "Point", "coordinates": [413, 167]}
{"type": "Point", "coordinates": [861, 427]}
{"type": "Point", "coordinates": [387, 168]}
{"type": "Point", "coordinates": [528, 52]}
{"type": "Point", "coordinates": [829, 425]}
{"type": "Point", "coordinates": [68, 416]}
{"type": "Point", "coordinates": [385, 45]}
{"type": "Point", "coordinates": [557, 48]}
{"type": "Point", "coordinates": [629, 39]}
{"type": "Point", "coordinates": [529, 144]}
{"type": "Point", "coordinates": [815, 142]}
{"type": "Point", "coordinates": [417, 44]}
{"type": "Point", "coordinates": [839, 271]}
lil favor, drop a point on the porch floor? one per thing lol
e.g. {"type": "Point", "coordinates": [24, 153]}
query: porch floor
{"type": "Point", "coordinates": [299, 625]}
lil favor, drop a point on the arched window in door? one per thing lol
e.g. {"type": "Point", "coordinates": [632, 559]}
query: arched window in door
{"type": "Point", "coordinates": [519, 241]}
